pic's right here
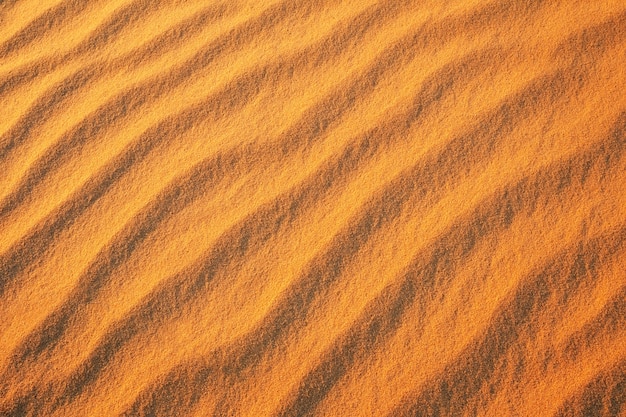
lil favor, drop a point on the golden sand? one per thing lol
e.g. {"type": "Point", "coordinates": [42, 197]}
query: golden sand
{"type": "Point", "coordinates": [312, 207]}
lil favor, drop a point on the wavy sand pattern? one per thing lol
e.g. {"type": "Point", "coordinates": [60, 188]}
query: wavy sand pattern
{"type": "Point", "coordinates": [312, 207]}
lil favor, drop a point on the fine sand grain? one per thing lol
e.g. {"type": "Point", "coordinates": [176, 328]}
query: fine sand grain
{"type": "Point", "coordinates": [312, 207]}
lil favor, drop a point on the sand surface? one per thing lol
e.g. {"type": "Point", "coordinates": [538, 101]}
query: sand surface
{"type": "Point", "coordinates": [312, 207]}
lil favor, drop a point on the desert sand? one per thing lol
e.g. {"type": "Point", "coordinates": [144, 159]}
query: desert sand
{"type": "Point", "coordinates": [312, 207]}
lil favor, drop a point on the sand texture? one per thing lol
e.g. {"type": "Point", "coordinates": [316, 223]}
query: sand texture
{"type": "Point", "coordinates": [313, 208]}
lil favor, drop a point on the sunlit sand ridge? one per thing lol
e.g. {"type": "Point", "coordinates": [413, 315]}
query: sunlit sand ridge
{"type": "Point", "coordinates": [312, 207]}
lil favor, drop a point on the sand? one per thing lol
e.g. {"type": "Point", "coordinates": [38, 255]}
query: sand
{"type": "Point", "coordinates": [312, 207]}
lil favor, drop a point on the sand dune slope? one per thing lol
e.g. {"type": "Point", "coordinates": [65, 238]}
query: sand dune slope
{"type": "Point", "coordinates": [312, 207]}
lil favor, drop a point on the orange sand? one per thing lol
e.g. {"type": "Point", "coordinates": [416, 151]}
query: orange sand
{"type": "Point", "coordinates": [312, 207]}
